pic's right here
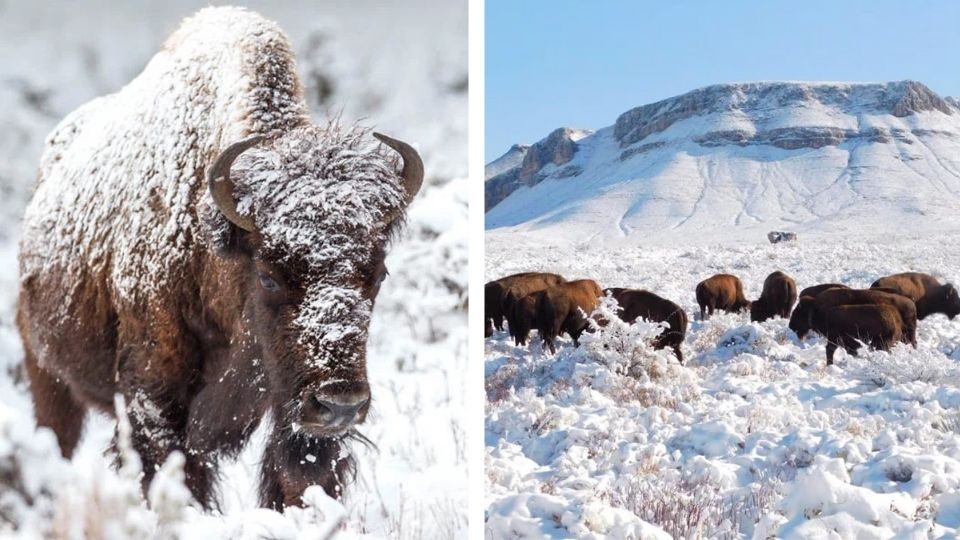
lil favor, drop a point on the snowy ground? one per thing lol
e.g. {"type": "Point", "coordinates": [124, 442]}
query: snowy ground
{"type": "Point", "coordinates": [399, 67]}
{"type": "Point", "coordinates": [754, 437]}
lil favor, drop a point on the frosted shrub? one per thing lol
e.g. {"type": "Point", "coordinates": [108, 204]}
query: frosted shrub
{"type": "Point", "coordinates": [618, 345]}
{"type": "Point", "coordinates": [904, 364]}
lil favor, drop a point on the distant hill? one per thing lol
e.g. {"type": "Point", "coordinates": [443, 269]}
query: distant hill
{"type": "Point", "coordinates": [741, 159]}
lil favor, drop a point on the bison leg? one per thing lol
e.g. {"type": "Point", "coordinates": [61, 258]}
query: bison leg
{"type": "Point", "coordinates": [293, 463]}
{"type": "Point", "coordinates": [487, 329]}
{"type": "Point", "coordinates": [679, 353]}
{"type": "Point", "coordinates": [831, 349]}
{"type": "Point", "coordinates": [54, 406]}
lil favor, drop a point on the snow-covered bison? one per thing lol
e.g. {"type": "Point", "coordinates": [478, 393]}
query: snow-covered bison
{"type": "Point", "coordinates": [924, 289]}
{"type": "Point", "coordinates": [777, 298]}
{"type": "Point", "coordinates": [720, 291]}
{"type": "Point", "coordinates": [199, 246]}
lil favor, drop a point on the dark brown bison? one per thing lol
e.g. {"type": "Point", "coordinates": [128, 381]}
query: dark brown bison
{"type": "Point", "coordinates": [518, 317]}
{"type": "Point", "coordinates": [721, 291]}
{"type": "Point", "coordinates": [817, 289]}
{"type": "Point", "coordinates": [777, 298]}
{"type": "Point", "coordinates": [635, 303]}
{"type": "Point", "coordinates": [878, 325]}
{"type": "Point", "coordinates": [565, 308]}
{"type": "Point", "coordinates": [799, 321]}
{"type": "Point", "coordinates": [496, 302]}
{"type": "Point", "coordinates": [206, 280]}
{"type": "Point", "coordinates": [924, 289]}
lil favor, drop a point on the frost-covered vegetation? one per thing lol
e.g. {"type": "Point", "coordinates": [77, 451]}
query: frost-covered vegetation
{"type": "Point", "coordinates": [400, 68]}
{"type": "Point", "coordinates": [753, 437]}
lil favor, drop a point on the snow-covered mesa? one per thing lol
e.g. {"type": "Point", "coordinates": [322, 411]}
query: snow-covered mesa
{"type": "Point", "coordinates": [742, 159]}
{"type": "Point", "coordinates": [400, 69]}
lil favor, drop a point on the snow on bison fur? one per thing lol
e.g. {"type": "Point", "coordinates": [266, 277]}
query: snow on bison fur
{"type": "Point", "coordinates": [198, 246]}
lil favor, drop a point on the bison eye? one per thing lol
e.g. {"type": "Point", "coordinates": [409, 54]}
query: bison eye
{"type": "Point", "coordinates": [382, 277]}
{"type": "Point", "coordinates": [268, 283]}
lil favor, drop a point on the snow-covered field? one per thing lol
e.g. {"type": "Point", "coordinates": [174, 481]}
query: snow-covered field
{"type": "Point", "coordinates": [399, 67]}
{"type": "Point", "coordinates": [754, 437]}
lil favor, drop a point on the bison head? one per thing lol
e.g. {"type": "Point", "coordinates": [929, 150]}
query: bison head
{"type": "Point", "coordinates": [308, 216]}
{"type": "Point", "coordinates": [951, 301]}
{"type": "Point", "coordinates": [801, 320]}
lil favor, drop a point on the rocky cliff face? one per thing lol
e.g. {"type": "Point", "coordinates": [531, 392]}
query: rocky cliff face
{"type": "Point", "coordinates": [556, 149]}
{"type": "Point", "coordinates": [744, 154]}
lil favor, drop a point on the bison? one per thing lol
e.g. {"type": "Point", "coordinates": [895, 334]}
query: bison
{"type": "Point", "coordinates": [519, 289]}
{"type": "Point", "coordinates": [817, 289]}
{"type": "Point", "coordinates": [565, 308]}
{"type": "Point", "coordinates": [721, 291]}
{"type": "Point", "coordinates": [196, 244]}
{"type": "Point", "coordinates": [928, 294]}
{"type": "Point", "coordinates": [799, 321]}
{"type": "Point", "coordinates": [499, 294]}
{"type": "Point", "coordinates": [635, 303]}
{"type": "Point", "coordinates": [878, 325]}
{"type": "Point", "coordinates": [777, 298]}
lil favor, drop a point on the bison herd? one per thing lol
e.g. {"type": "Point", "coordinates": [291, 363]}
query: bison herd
{"type": "Point", "coordinates": [880, 316]}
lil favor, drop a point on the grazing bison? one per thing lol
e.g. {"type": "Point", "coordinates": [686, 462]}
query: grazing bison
{"type": "Point", "coordinates": [799, 321]}
{"type": "Point", "coordinates": [924, 289]}
{"type": "Point", "coordinates": [495, 295]}
{"type": "Point", "coordinates": [777, 298]}
{"type": "Point", "coordinates": [209, 280]}
{"type": "Point", "coordinates": [565, 308]}
{"type": "Point", "coordinates": [646, 305]}
{"type": "Point", "coordinates": [817, 289]}
{"type": "Point", "coordinates": [878, 325]}
{"type": "Point", "coordinates": [721, 291]}
{"type": "Point", "coordinates": [519, 289]}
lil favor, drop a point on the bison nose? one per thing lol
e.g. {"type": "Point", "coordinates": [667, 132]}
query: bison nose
{"type": "Point", "coordinates": [336, 411]}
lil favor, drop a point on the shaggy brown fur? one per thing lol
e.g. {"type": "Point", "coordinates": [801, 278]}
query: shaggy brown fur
{"type": "Point", "coordinates": [636, 303]}
{"type": "Point", "coordinates": [495, 303]}
{"type": "Point", "coordinates": [518, 318]}
{"type": "Point", "coordinates": [777, 299]}
{"type": "Point", "coordinates": [135, 281]}
{"type": "Point", "coordinates": [565, 308]}
{"type": "Point", "coordinates": [924, 289]}
{"type": "Point", "coordinates": [800, 320]}
{"type": "Point", "coordinates": [721, 291]}
{"type": "Point", "coordinates": [878, 325]}
{"type": "Point", "coordinates": [817, 289]}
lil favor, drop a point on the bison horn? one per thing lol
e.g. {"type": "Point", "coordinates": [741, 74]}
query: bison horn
{"type": "Point", "coordinates": [412, 164]}
{"type": "Point", "coordinates": [221, 186]}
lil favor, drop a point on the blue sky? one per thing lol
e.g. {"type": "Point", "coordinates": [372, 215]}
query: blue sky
{"type": "Point", "coordinates": [552, 63]}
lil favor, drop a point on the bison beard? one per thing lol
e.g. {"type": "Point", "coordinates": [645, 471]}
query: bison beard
{"type": "Point", "coordinates": [208, 302]}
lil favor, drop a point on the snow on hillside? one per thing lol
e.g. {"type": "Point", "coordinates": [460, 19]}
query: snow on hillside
{"type": "Point", "coordinates": [401, 68]}
{"type": "Point", "coordinates": [753, 437]}
{"type": "Point", "coordinates": [747, 158]}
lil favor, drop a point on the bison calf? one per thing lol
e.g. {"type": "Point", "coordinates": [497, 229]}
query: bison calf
{"type": "Point", "coordinates": [722, 291]}
{"type": "Point", "coordinates": [639, 304]}
{"type": "Point", "coordinates": [565, 308]}
{"type": "Point", "coordinates": [926, 292]}
{"type": "Point", "coordinates": [778, 296]}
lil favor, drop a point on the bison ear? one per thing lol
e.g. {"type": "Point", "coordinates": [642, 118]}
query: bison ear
{"type": "Point", "coordinates": [412, 172]}
{"type": "Point", "coordinates": [222, 187]}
